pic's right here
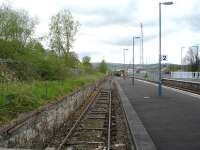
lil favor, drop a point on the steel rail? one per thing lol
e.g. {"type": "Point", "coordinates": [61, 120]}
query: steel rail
{"type": "Point", "coordinates": [109, 122]}
{"type": "Point", "coordinates": [76, 123]}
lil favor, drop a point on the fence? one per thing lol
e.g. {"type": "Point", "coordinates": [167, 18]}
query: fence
{"type": "Point", "coordinates": [185, 75]}
{"type": "Point", "coordinates": [173, 75]}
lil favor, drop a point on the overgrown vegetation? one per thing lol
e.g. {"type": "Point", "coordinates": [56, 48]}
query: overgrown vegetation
{"type": "Point", "coordinates": [103, 67]}
{"type": "Point", "coordinates": [31, 75]}
{"type": "Point", "coordinates": [20, 97]}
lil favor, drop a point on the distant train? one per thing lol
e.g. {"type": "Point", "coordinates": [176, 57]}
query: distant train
{"type": "Point", "coordinates": [118, 73]}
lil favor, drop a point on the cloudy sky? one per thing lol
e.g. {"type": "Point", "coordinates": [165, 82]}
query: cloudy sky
{"type": "Point", "coordinates": [107, 26]}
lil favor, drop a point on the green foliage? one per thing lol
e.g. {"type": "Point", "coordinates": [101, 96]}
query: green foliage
{"type": "Point", "coordinates": [29, 59]}
{"type": "Point", "coordinates": [15, 25]}
{"type": "Point", "coordinates": [18, 97]}
{"type": "Point", "coordinates": [86, 60]}
{"type": "Point", "coordinates": [86, 65]}
{"type": "Point", "coordinates": [9, 49]}
{"type": "Point", "coordinates": [103, 67]}
{"type": "Point", "coordinates": [71, 60]}
{"type": "Point", "coordinates": [33, 61]}
{"type": "Point", "coordinates": [62, 28]}
{"type": "Point", "coordinates": [34, 76]}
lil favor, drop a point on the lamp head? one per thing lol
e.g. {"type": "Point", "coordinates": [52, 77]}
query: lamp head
{"type": "Point", "coordinates": [167, 3]}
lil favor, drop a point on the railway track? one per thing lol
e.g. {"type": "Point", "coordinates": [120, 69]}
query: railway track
{"type": "Point", "coordinates": [193, 87]}
{"type": "Point", "coordinates": [92, 130]}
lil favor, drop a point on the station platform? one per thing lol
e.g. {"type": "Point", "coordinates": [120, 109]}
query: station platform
{"type": "Point", "coordinates": [171, 122]}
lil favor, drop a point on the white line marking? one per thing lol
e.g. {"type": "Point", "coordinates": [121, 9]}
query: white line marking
{"type": "Point", "coordinates": [146, 97]}
{"type": "Point", "coordinates": [172, 89]}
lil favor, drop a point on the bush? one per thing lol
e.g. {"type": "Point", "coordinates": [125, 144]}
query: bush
{"type": "Point", "coordinates": [33, 61]}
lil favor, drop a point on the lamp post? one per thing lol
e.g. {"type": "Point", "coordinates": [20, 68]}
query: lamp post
{"type": "Point", "coordinates": [124, 59]}
{"type": "Point", "coordinates": [197, 47]}
{"type": "Point", "coordinates": [160, 79]}
{"type": "Point", "coordinates": [137, 37]}
{"type": "Point", "coordinates": [182, 57]}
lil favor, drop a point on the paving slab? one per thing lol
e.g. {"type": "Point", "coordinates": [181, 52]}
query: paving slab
{"type": "Point", "coordinates": [172, 120]}
{"type": "Point", "coordinates": [141, 138]}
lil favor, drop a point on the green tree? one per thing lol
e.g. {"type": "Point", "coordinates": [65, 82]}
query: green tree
{"type": "Point", "coordinates": [86, 60]}
{"type": "Point", "coordinates": [16, 25]}
{"type": "Point", "coordinates": [103, 67]}
{"type": "Point", "coordinates": [86, 64]}
{"type": "Point", "coordinates": [35, 44]}
{"type": "Point", "coordinates": [72, 60]}
{"type": "Point", "coordinates": [63, 29]}
{"type": "Point", "coordinates": [10, 49]}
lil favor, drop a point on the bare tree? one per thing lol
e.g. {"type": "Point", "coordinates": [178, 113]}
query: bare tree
{"type": "Point", "coordinates": [192, 58]}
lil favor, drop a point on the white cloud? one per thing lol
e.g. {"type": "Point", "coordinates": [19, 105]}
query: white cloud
{"type": "Point", "coordinates": [107, 26]}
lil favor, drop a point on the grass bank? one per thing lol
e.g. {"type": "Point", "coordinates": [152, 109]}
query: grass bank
{"type": "Point", "coordinates": [21, 97]}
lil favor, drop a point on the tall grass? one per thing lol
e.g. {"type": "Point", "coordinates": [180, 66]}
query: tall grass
{"type": "Point", "coordinates": [21, 97]}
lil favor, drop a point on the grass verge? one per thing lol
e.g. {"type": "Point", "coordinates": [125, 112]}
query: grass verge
{"type": "Point", "coordinates": [20, 97]}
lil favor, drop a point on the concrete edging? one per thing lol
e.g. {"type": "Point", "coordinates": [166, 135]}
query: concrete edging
{"type": "Point", "coordinates": [141, 138]}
